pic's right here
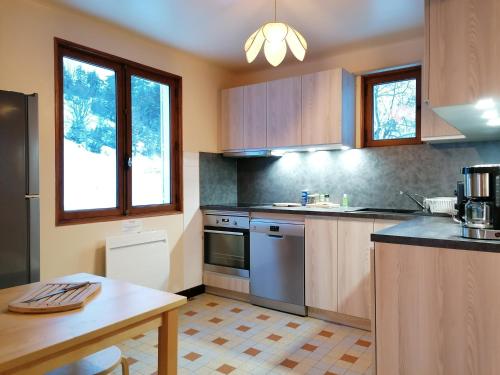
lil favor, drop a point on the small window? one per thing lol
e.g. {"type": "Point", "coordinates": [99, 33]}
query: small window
{"type": "Point", "coordinates": [118, 137]}
{"type": "Point", "coordinates": [392, 107]}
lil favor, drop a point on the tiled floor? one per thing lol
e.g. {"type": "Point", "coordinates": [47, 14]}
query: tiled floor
{"type": "Point", "coordinates": [223, 336]}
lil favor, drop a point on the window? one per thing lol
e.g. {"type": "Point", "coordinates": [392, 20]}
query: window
{"type": "Point", "coordinates": [118, 137]}
{"type": "Point", "coordinates": [392, 107]}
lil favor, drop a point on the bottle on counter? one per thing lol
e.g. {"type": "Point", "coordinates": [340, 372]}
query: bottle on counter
{"type": "Point", "coordinates": [345, 200]}
{"type": "Point", "coordinates": [327, 197]}
{"type": "Point", "coordinates": [304, 196]}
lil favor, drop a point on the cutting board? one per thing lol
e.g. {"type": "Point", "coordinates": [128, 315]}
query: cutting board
{"type": "Point", "coordinates": [70, 300]}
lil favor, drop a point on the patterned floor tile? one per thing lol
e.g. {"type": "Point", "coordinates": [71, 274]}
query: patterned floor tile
{"type": "Point", "coordinates": [223, 336]}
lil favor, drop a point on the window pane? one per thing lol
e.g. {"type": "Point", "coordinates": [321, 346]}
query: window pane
{"type": "Point", "coordinates": [150, 142]}
{"type": "Point", "coordinates": [89, 136]}
{"type": "Point", "coordinates": [395, 110]}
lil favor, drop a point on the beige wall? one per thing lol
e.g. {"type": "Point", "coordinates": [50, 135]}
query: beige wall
{"type": "Point", "coordinates": [356, 61]}
{"type": "Point", "coordinates": [27, 29]}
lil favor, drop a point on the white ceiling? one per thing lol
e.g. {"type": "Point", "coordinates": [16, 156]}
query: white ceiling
{"type": "Point", "coordinates": [217, 29]}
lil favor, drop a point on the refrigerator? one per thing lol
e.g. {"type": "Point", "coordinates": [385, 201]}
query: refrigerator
{"type": "Point", "coordinates": [19, 188]}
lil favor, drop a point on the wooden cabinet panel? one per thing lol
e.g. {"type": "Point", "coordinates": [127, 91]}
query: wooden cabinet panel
{"type": "Point", "coordinates": [284, 112]}
{"type": "Point", "coordinates": [433, 128]}
{"type": "Point", "coordinates": [322, 107]}
{"type": "Point", "coordinates": [328, 108]}
{"type": "Point", "coordinates": [321, 263]}
{"type": "Point", "coordinates": [380, 224]}
{"type": "Point", "coordinates": [436, 311]}
{"type": "Point", "coordinates": [354, 284]}
{"type": "Point", "coordinates": [255, 116]}
{"type": "Point", "coordinates": [232, 129]}
{"type": "Point", "coordinates": [227, 282]}
{"type": "Point", "coordinates": [463, 51]}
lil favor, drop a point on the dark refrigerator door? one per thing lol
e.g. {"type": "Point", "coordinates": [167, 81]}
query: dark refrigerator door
{"type": "Point", "coordinates": [33, 187]}
{"type": "Point", "coordinates": [14, 253]}
{"type": "Point", "coordinates": [34, 239]}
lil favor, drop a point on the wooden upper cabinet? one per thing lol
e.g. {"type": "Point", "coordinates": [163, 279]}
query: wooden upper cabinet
{"type": "Point", "coordinates": [255, 116]}
{"type": "Point", "coordinates": [284, 107]}
{"type": "Point", "coordinates": [328, 108]}
{"type": "Point", "coordinates": [463, 51]}
{"type": "Point", "coordinates": [432, 127]}
{"type": "Point", "coordinates": [354, 266]}
{"type": "Point", "coordinates": [232, 128]}
{"type": "Point", "coordinates": [321, 263]}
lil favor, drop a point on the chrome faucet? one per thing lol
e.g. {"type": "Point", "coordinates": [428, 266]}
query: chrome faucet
{"type": "Point", "coordinates": [411, 196]}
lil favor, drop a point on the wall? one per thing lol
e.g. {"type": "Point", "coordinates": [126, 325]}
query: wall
{"type": "Point", "coordinates": [218, 179]}
{"type": "Point", "coordinates": [361, 60]}
{"type": "Point", "coordinates": [372, 177]}
{"type": "Point", "coordinates": [27, 29]}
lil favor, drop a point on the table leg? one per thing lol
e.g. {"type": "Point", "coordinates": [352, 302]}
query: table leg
{"type": "Point", "coordinates": [167, 343]}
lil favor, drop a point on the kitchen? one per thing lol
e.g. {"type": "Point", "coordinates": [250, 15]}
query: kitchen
{"type": "Point", "coordinates": [285, 216]}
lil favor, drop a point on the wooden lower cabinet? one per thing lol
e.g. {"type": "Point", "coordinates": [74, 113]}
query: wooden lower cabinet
{"type": "Point", "coordinates": [226, 282]}
{"type": "Point", "coordinates": [321, 263]}
{"type": "Point", "coordinates": [437, 311]}
{"type": "Point", "coordinates": [354, 285]}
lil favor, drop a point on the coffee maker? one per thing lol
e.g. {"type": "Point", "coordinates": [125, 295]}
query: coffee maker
{"type": "Point", "coordinates": [481, 203]}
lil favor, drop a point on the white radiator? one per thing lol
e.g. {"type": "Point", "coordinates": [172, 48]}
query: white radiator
{"type": "Point", "coordinates": [140, 258]}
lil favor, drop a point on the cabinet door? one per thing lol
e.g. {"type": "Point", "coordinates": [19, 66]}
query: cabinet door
{"type": "Point", "coordinates": [464, 51]}
{"type": "Point", "coordinates": [437, 311]}
{"type": "Point", "coordinates": [433, 128]}
{"type": "Point", "coordinates": [255, 116]}
{"type": "Point", "coordinates": [322, 107]}
{"type": "Point", "coordinates": [321, 263]}
{"type": "Point", "coordinates": [284, 112]}
{"type": "Point", "coordinates": [383, 224]}
{"type": "Point", "coordinates": [232, 119]}
{"type": "Point", "coordinates": [354, 280]}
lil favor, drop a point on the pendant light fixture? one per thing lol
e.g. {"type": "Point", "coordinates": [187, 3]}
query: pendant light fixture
{"type": "Point", "coordinates": [275, 36]}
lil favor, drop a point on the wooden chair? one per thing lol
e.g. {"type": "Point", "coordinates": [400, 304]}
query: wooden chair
{"type": "Point", "coordinates": [100, 363]}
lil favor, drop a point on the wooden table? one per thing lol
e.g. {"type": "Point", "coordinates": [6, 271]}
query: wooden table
{"type": "Point", "coordinates": [35, 344]}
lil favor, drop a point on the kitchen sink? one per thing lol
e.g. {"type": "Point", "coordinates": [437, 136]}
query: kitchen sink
{"type": "Point", "coordinates": [387, 210]}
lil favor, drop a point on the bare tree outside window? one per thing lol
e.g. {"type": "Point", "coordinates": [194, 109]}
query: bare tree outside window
{"type": "Point", "coordinates": [392, 110]}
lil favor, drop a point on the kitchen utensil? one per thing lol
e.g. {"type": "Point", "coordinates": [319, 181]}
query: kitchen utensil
{"type": "Point", "coordinates": [64, 290]}
{"type": "Point", "coordinates": [285, 204]}
{"type": "Point", "coordinates": [443, 205]}
{"type": "Point", "coordinates": [482, 211]}
{"type": "Point", "coordinates": [55, 297]}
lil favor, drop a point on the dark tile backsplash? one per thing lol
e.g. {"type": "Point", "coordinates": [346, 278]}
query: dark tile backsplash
{"type": "Point", "coordinates": [218, 179]}
{"type": "Point", "coordinates": [372, 177]}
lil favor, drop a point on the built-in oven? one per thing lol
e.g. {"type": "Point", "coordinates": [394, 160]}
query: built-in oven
{"type": "Point", "coordinates": [227, 243]}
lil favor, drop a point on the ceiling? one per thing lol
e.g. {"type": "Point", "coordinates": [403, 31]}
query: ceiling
{"type": "Point", "coordinates": [217, 29]}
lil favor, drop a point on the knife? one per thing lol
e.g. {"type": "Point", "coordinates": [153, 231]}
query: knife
{"type": "Point", "coordinates": [60, 291]}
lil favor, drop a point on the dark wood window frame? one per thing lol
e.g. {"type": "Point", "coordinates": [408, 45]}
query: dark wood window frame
{"type": "Point", "coordinates": [124, 69]}
{"type": "Point", "coordinates": [386, 77]}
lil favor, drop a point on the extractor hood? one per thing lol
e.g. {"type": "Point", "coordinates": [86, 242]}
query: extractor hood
{"type": "Point", "coordinates": [280, 151]}
{"type": "Point", "coordinates": [247, 154]}
{"type": "Point", "coordinates": [477, 122]}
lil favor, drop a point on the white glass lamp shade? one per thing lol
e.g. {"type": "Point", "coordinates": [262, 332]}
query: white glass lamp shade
{"type": "Point", "coordinates": [275, 36]}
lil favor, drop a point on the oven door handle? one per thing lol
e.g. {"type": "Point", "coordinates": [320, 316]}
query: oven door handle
{"type": "Point", "coordinates": [223, 232]}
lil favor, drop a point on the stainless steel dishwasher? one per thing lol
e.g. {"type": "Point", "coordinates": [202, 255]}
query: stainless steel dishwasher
{"type": "Point", "coordinates": [277, 265]}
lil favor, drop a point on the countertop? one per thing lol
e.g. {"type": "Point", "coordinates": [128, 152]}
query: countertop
{"type": "Point", "coordinates": [417, 229]}
{"type": "Point", "coordinates": [336, 212]}
{"type": "Point", "coordinates": [433, 232]}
